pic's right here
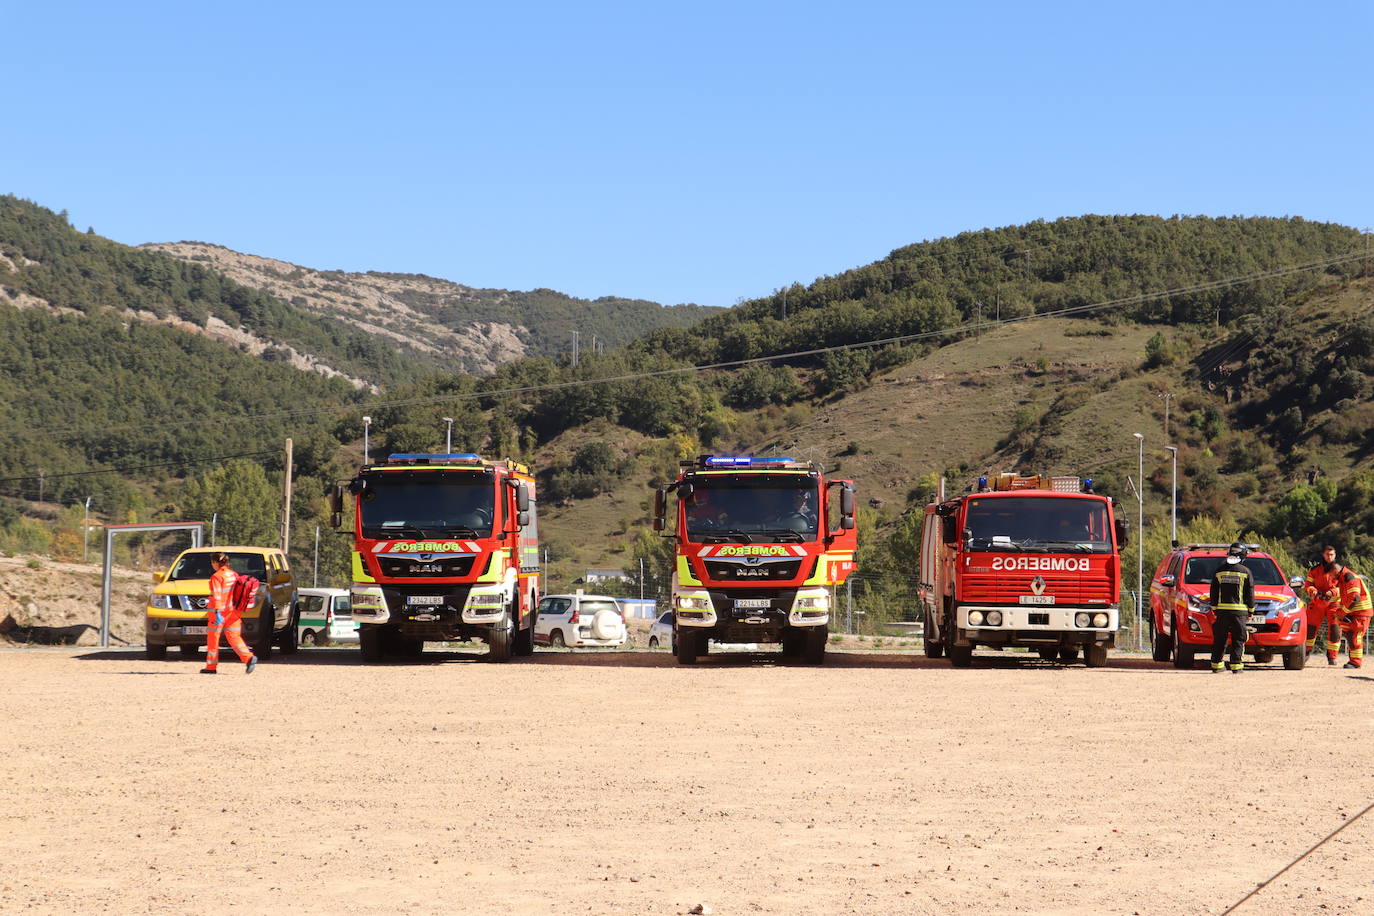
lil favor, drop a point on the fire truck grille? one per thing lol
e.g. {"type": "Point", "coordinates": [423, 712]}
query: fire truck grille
{"type": "Point", "coordinates": [418, 567]}
{"type": "Point", "coordinates": [1007, 588]}
{"type": "Point", "coordinates": [728, 571]}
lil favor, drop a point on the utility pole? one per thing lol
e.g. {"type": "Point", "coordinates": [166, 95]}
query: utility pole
{"type": "Point", "coordinates": [1167, 396]}
{"type": "Point", "coordinates": [1140, 539]}
{"type": "Point", "coordinates": [85, 529]}
{"type": "Point", "coordinates": [315, 582]}
{"type": "Point", "coordinates": [286, 501]}
{"type": "Point", "coordinates": [574, 353]}
{"type": "Point", "coordinates": [1173, 497]}
{"type": "Point", "coordinates": [448, 437]}
{"type": "Point", "coordinates": [641, 577]}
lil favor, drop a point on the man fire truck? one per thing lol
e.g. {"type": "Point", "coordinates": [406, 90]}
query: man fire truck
{"type": "Point", "coordinates": [1022, 561]}
{"type": "Point", "coordinates": [445, 547]}
{"type": "Point", "coordinates": [757, 553]}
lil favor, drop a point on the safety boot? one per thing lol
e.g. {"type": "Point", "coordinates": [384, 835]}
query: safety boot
{"type": "Point", "coordinates": [1237, 668]}
{"type": "Point", "coordinates": [1216, 667]}
{"type": "Point", "coordinates": [1352, 664]}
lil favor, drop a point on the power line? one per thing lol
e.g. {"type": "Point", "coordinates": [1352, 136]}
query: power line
{"type": "Point", "coordinates": [955, 331]}
{"type": "Point", "coordinates": [141, 467]}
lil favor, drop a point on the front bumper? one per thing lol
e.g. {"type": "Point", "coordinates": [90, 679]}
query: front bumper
{"type": "Point", "coordinates": [192, 631]}
{"type": "Point", "coordinates": [1037, 620]}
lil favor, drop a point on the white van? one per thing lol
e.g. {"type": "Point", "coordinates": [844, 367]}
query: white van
{"type": "Point", "coordinates": [326, 616]}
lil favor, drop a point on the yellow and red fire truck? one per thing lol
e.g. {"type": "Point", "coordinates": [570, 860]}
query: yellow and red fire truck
{"type": "Point", "coordinates": [445, 547]}
{"type": "Point", "coordinates": [760, 543]}
{"type": "Point", "coordinates": [1027, 561]}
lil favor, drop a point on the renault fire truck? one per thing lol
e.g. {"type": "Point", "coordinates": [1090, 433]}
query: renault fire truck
{"type": "Point", "coordinates": [445, 547]}
{"type": "Point", "coordinates": [758, 551]}
{"type": "Point", "coordinates": [1027, 561]}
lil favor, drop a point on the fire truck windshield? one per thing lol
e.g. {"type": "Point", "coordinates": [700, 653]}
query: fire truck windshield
{"type": "Point", "coordinates": [757, 510]}
{"type": "Point", "coordinates": [415, 507]}
{"type": "Point", "coordinates": [1040, 524]}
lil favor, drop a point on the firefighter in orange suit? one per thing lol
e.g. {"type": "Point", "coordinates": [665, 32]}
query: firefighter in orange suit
{"type": "Point", "coordinates": [224, 619]}
{"type": "Point", "coordinates": [1355, 600]}
{"type": "Point", "coordinates": [1323, 588]}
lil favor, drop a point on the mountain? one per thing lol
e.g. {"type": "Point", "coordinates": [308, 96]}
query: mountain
{"type": "Point", "coordinates": [450, 326]}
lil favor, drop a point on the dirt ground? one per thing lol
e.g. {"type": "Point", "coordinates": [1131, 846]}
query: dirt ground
{"type": "Point", "coordinates": [618, 782]}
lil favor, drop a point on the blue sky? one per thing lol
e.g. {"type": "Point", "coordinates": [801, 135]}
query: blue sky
{"type": "Point", "coordinates": [706, 153]}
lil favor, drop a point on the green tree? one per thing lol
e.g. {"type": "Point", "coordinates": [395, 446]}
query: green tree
{"type": "Point", "coordinates": [239, 494]}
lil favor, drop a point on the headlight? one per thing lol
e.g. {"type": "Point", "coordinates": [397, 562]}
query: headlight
{"type": "Point", "coordinates": [975, 618]}
{"type": "Point", "coordinates": [1201, 605]}
{"type": "Point", "coordinates": [486, 600]}
{"type": "Point", "coordinates": [368, 597]}
{"type": "Point", "coordinates": [164, 602]}
{"type": "Point", "coordinates": [693, 602]}
{"type": "Point", "coordinates": [1100, 620]}
{"type": "Point", "coordinates": [1082, 619]}
{"type": "Point", "coordinates": [994, 618]}
{"type": "Point", "coordinates": [812, 603]}
{"type": "Point", "coordinates": [1287, 606]}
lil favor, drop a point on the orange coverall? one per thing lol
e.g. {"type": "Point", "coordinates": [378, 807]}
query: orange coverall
{"type": "Point", "coordinates": [1355, 599]}
{"type": "Point", "coordinates": [1324, 606]}
{"type": "Point", "coordinates": [222, 618]}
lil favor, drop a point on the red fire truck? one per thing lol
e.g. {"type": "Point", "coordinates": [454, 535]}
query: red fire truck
{"type": "Point", "coordinates": [445, 547]}
{"type": "Point", "coordinates": [1022, 561]}
{"type": "Point", "coordinates": [760, 542]}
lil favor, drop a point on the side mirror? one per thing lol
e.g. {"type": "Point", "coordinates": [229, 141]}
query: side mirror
{"type": "Point", "coordinates": [1168, 581]}
{"type": "Point", "coordinates": [660, 508]}
{"type": "Point", "coordinates": [336, 505]}
{"type": "Point", "coordinates": [1297, 582]}
{"type": "Point", "coordinates": [847, 522]}
{"type": "Point", "coordinates": [522, 499]}
{"type": "Point", "coordinates": [159, 576]}
{"type": "Point", "coordinates": [847, 503]}
{"type": "Point", "coordinates": [1123, 532]}
{"type": "Point", "coordinates": [949, 533]}
{"type": "Point", "coordinates": [522, 518]}
{"type": "Point", "coordinates": [684, 492]}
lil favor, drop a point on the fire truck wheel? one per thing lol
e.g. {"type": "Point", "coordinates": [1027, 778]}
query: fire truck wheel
{"type": "Point", "coordinates": [1264, 658]}
{"type": "Point", "coordinates": [1048, 653]}
{"type": "Point", "coordinates": [792, 645]}
{"type": "Point", "coordinates": [1295, 658]}
{"type": "Point", "coordinates": [370, 643]}
{"type": "Point", "coordinates": [1095, 656]}
{"type": "Point", "coordinates": [686, 647]}
{"type": "Point", "coordinates": [814, 651]}
{"type": "Point", "coordinates": [1067, 656]}
{"type": "Point", "coordinates": [1183, 655]}
{"type": "Point", "coordinates": [155, 651]}
{"type": "Point", "coordinates": [499, 640]}
{"type": "Point", "coordinates": [961, 656]}
{"type": "Point", "coordinates": [1162, 648]}
{"type": "Point", "coordinates": [556, 639]}
{"type": "Point", "coordinates": [189, 649]}
{"type": "Point", "coordinates": [933, 647]}
{"type": "Point", "coordinates": [524, 641]}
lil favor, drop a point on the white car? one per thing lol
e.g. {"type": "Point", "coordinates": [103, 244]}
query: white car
{"type": "Point", "coordinates": [580, 620]}
{"type": "Point", "coordinates": [326, 616]}
{"type": "Point", "coordinates": [661, 633]}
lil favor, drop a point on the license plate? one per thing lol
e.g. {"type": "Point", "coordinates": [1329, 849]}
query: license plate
{"type": "Point", "coordinates": [753, 602]}
{"type": "Point", "coordinates": [193, 631]}
{"type": "Point", "coordinates": [1257, 618]}
{"type": "Point", "coordinates": [430, 600]}
{"type": "Point", "coordinates": [1037, 599]}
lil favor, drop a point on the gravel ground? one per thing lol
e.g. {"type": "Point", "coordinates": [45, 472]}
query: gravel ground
{"type": "Point", "coordinates": [601, 782]}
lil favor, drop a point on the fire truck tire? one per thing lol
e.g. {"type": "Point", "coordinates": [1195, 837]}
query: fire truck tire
{"type": "Point", "coordinates": [1068, 656]}
{"type": "Point", "coordinates": [556, 639]}
{"type": "Point", "coordinates": [933, 647]}
{"type": "Point", "coordinates": [1048, 653]}
{"type": "Point", "coordinates": [155, 651]}
{"type": "Point", "coordinates": [524, 641]}
{"type": "Point", "coordinates": [370, 643]}
{"type": "Point", "coordinates": [1295, 658]}
{"type": "Point", "coordinates": [189, 649]}
{"type": "Point", "coordinates": [499, 640]}
{"type": "Point", "coordinates": [1264, 658]}
{"type": "Point", "coordinates": [1162, 648]}
{"type": "Point", "coordinates": [792, 644]}
{"type": "Point", "coordinates": [1183, 655]}
{"type": "Point", "coordinates": [813, 651]}
{"type": "Point", "coordinates": [961, 656]}
{"type": "Point", "coordinates": [686, 647]}
{"type": "Point", "coordinates": [1095, 656]}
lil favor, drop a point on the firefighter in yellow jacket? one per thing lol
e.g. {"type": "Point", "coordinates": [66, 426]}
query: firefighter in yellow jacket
{"type": "Point", "coordinates": [1356, 604]}
{"type": "Point", "coordinates": [1233, 600]}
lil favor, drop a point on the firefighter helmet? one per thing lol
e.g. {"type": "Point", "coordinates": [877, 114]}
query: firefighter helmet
{"type": "Point", "coordinates": [1236, 553]}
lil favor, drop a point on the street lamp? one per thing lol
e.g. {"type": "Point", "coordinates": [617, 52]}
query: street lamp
{"type": "Point", "coordinates": [1140, 532]}
{"type": "Point", "coordinates": [367, 424]}
{"type": "Point", "coordinates": [1173, 496]}
{"type": "Point", "coordinates": [448, 437]}
{"type": "Point", "coordinates": [85, 529]}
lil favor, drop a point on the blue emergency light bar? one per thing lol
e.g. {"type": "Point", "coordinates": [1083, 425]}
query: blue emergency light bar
{"type": "Point", "coordinates": [722, 461]}
{"type": "Point", "coordinates": [449, 458]}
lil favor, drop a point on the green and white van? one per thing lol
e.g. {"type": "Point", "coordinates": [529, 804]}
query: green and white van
{"type": "Point", "coordinates": [326, 616]}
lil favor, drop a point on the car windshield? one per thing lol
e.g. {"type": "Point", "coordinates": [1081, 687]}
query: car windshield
{"type": "Point", "coordinates": [1040, 524]}
{"type": "Point", "coordinates": [197, 566]}
{"type": "Point", "coordinates": [413, 507]}
{"type": "Point", "coordinates": [753, 509]}
{"type": "Point", "coordinates": [1200, 570]}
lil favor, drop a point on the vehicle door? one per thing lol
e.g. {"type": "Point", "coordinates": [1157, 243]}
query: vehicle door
{"type": "Point", "coordinates": [341, 623]}
{"type": "Point", "coordinates": [281, 587]}
{"type": "Point", "coordinates": [1161, 596]}
{"type": "Point", "coordinates": [543, 620]}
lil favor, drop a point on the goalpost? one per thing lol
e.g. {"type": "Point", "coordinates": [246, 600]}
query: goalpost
{"type": "Point", "coordinates": [197, 530]}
